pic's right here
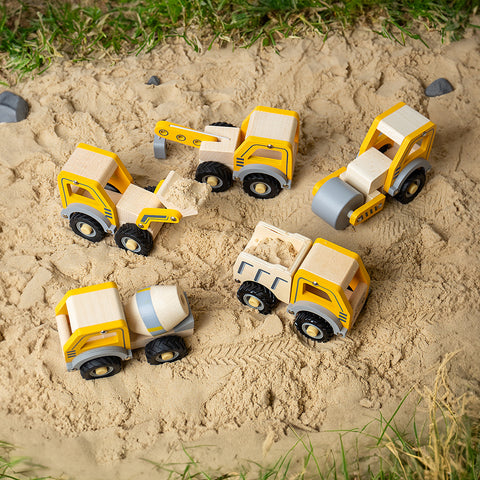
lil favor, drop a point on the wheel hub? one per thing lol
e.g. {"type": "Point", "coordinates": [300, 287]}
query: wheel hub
{"type": "Point", "coordinates": [260, 188]}
{"type": "Point", "coordinates": [86, 229]}
{"type": "Point", "coordinates": [165, 356]}
{"type": "Point", "coordinates": [212, 181]}
{"type": "Point", "coordinates": [100, 371]}
{"type": "Point", "coordinates": [312, 331]}
{"type": "Point", "coordinates": [131, 245]}
{"type": "Point", "coordinates": [253, 302]}
{"type": "Point", "coordinates": [412, 189]}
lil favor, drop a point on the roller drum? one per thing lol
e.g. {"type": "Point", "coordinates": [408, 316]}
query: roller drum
{"type": "Point", "coordinates": [334, 200]}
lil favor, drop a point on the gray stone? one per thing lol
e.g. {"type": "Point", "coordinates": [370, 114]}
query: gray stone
{"type": "Point", "coordinates": [440, 86]}
{"type": "Point", "coordinates": [154, 80]}
{"type": "Point", "coordinates": [12, 108]}
{"type": "Point", "coordinates": [159, 147]}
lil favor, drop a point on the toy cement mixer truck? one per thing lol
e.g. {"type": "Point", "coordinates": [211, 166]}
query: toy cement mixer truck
{"type": "Point", "coordinates": [393, 160]}
{"type": "Point", "coordinates": [97, 333]}
{"type": "Point", "coordinates": [324, 285]}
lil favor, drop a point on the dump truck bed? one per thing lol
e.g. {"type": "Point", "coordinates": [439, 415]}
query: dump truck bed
{"type": "Point", "coordinates": [271, 258]}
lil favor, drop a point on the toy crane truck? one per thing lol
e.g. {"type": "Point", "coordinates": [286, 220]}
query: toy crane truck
{"type": "Point", "coordinates": [393, 160]}
{"type": "Point", "coordinates": [324, 285]}
{"type": "Point", "coordinates": [261, 153]}
{"type": "Point", "coordinates": [96, 333]}
{"type": "Point", "coordinates": [99, 197]}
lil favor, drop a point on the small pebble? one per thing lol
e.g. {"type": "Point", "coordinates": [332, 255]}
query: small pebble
{"type": "Point", "coordinates": [441, 86]}
{"type": "Point", "coordinates": [12, 108]}
{"type": "Point", "coordinates": [154, 80]}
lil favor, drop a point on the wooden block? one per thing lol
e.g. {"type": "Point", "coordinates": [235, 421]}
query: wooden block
{"type": "Point", "coordinates": [92, 165]}
{"type": "Point", "coordinates": [223, 150]}
{"type": "Point", "coordinates": [63, 328]}
{"type": "Point", "coordinates": [401, 123]}
{"type": "Point", "coordinates": [356, 298]}
{"type": "Point", "coordinates": [272, 126]}
{"type": "Point", "coordinates": [367, 172]}
{"type": "Point", "coordinates": [331, 265]}
{"type": "Point", "coordinates": [92, 308]}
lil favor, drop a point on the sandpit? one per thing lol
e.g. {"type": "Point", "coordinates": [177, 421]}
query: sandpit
{"type": "Point", "coordinates": [248, 380]}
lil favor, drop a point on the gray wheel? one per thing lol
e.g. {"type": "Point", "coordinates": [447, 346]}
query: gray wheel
{"type": "Point", "coordinates": [165, 350]}
{"type": "Point", "coordinates": [313, 327]}
{"type": "Point", "coordinates": [134, 239]}
{"type": "Point", "coordinates": [101, 368]}
{"type": "Point", "coordinates": [86, 227]}
{"type": "Point", "coordinates": [256, 296]}
{"type": "Point", "coordinates": [411, 187]}
{"type": "Point", "coordinates": [334, 200]}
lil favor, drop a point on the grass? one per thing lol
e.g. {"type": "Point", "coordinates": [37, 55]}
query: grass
{"type": "Point", "coordinates": [33, 34]}
{"type": "Point", "coordinates": [445, 446]}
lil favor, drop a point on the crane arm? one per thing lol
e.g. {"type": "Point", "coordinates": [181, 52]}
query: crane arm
{"type": "Point", "coordinates": [183, 135]}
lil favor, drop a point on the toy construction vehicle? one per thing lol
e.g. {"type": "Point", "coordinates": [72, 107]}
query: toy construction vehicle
{"type": "Point", "coordinates": [324, 285]}
{"type": "Point", "coordinates": [261, 153]}
{"type": "Point", "coordinates": [96, 333]}
{"type": "Point", "coordinates": [393, 160]}
{"type": "Point", "coordinates": [99, 197]}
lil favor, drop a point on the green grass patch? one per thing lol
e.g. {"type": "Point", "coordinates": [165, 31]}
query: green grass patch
{"type": "Point", "coordinates": [33, 33]}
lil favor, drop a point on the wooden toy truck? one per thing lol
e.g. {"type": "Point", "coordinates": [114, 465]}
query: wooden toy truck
{"type": "Point", "coordinates": [96, 333]}
{"type": "Point", "coordinates": [261, 153]}
{"type": "Point", "coordinates": [325, 286]}
{"type": "Point", "coordinates": [393, 160]}
{"type": "Point", "coordinates": [99, 197]}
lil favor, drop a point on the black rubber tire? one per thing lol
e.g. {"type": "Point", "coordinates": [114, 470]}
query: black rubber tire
{"type": "Point", "coordinates": [143, 238]}
{"type": "Point", "coordinates": [218, 170]}
{"type": "Point", "coordinates": [268, 301]}
{"type": "Point", "coordinates": [76, 221]}
{"type": "Point", "coordinates": [150, 188]}
{"type": "Point", "coordinates": [221, 124]}
{"type": "Point", "coordinates": [155, 348]}
{"type": "Point", "coordinates": [304, 319]}
{"type": "Point", "coordinates": [113, 364]}
{"type": "Point", "coordinates": [273, 187]}
{"type": "Point", "coordinates": [418, 178]}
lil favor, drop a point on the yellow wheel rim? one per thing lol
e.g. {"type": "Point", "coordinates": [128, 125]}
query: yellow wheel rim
{"type": "Point", "coordinates": [212, 181]}
{"type": "Point", "coordinates": [260, 188]}
{"type": "Point", "coordinates": [254, 302]}
{"type": "Point", "coordinates": [101, 371]}
{"type": "Point", "coordinates": [312, 331]}
{"type": "Point", "coordinates": [86, 229]}
{"type": "Point", "coordinates": [165, 356]}
{"type": "Point", "coordinates": [131, 244]}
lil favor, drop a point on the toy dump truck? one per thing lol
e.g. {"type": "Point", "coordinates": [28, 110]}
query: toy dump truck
{"type": "Point", "coordinates": [96, 333]}
{"type": "Point", "coordinates": [324, 285]}
{"type": "Point", "coordinates": [99, 197]}
{"type": "Point", "coordinates": [393, 160]}
{"type": "Point", "coordinates": [261, 153]}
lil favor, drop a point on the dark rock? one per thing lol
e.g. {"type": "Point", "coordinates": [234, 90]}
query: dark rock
{"type": "Point", "coordinates": [154, 80]}
{"type": "Point", "coordinates": [12, 108]}
{"type": "Point", "coordinates": [440, 86]}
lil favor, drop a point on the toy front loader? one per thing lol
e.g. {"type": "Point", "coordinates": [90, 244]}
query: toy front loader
{"type": "Point", "coordinates": [99, 197]}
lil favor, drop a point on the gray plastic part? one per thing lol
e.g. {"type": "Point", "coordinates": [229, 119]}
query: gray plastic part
{"type": "Point", "coordinates": [12, 108]}
{"type": "Point", "coordinates": [159, 147]}
{"type": "Point", "coordinates": [153, 80]}
{"type": "Point", "coordinates": [304, 306]}
{"type": "Point", "coordinates": [440, 86]}
{"type": "Point", "coordinates": [333, 202]}
{"type": "Point", "coordinates": [265, 169]}
{"type": "Point", "coordinates": [188, 323]}
{"type": "Point", "coordinates": [405, 173]}
{"type": "Point", "coordinates": [79, 360]}
{"type": "Point", "coordinates": [91, 212]}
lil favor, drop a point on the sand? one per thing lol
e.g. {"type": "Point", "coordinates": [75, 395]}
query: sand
{"type": "Point", "coordinates": [248, 380]}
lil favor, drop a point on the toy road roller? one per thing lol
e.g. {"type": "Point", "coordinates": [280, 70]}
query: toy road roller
{"type": "Point", "coordinates": [393, 160]}
{"type": "Point", "coordinates": [97, 333]}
